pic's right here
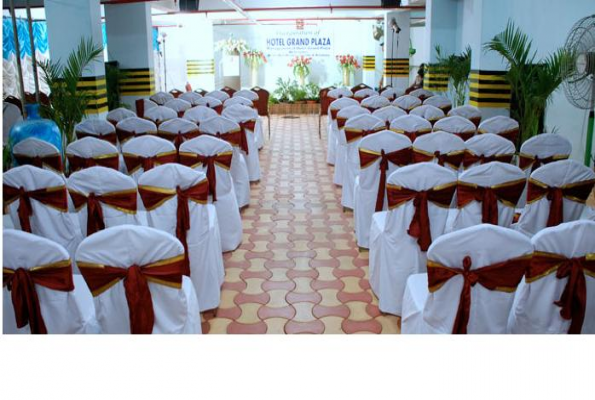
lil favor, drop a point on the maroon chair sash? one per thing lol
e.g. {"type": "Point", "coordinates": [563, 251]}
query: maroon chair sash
{"type": "Point", "coordinates": [453, 159]}
{"type": "Point", "coordinates": [222, 160]}
{"type": "Point", "coordinates": [53, 161]}
{"type": "Point", "coordinates": [54, 197]}
{"type": "Point", "coordinates": [124, 201]}
{"type": "Point", "coordinates": [77, 163]}
{"type": "Point", "coordinates": [508, 193]}
{"type": "Point", "coordinates": [134, 161]}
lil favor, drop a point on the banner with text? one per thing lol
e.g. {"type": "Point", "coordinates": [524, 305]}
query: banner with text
{"type": "Point", "coordinates": [315, 42]}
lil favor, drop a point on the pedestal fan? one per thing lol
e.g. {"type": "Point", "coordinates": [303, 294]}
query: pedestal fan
{"type": "Point", "coordinates": [579, 86]}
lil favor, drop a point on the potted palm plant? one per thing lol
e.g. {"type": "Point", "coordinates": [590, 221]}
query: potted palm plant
{"type": "Point", "coordinates": [532, 81]}
{"type": "Point", "coordinates": [68, 102]}
{"type": "Point", "coordinates": [457, 67]}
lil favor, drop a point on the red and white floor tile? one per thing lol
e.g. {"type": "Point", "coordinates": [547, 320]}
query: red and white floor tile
{"type": "Point", "coordinates": [299, 269]}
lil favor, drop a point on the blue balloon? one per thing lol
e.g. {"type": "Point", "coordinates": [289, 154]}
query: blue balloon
{"type": "Point", "coordinates": [37, 127]}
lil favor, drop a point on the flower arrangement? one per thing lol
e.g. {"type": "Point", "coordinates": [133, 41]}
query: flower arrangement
{"type": "Point", "coordinates": [232, 46]}
{"type": "Point", "coordinates": [254, 58]}
{"type": "Point", "coordinates": [301, 67]}
{"type": "Point", "coordinates": [348, 64]}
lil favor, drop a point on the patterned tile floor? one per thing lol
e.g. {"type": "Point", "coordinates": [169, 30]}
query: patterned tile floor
{"type": "Point", "coordinates": [299, 269]}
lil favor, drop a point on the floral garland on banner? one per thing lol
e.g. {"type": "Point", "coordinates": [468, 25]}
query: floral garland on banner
{"type": "Point", "coordinates": [232, 46]}
{"type": "Point", "coordinates": [301, 67]}
{"type": "Point", "coordinates": [348, 64]}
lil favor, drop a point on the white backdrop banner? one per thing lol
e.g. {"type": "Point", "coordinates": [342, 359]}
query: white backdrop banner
{"type": "Point", "coordinates": [289, 41]}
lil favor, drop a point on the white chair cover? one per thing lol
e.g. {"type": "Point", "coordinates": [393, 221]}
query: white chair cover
{"type": "Point", "coordinates": [32, 147]}
{"type": "Point", "coordinates": [392, 93]}
{"type": "Point", "coordinates": [209, 101]}
{"type": "Point", "coordinates": [218, 94]}
{"type": "Point", "coordinates": [199, 113]}
{"type": "Point", "coordinates": [366, 123]}
{"type": "Point", "coordinates": [177, 130]}
{"type": "Point", "coordinates": [473, 114]}
{"type": "Point", "coordinates": [389, 113]}
{"type": "Point", "coordinates": [239, 170]}
{"type": "Point", "coordinates": [102, 181]}
{"type": "Point", "coordinates": [94, 127]}
{"type": "Point", "coordinates": [491, 175]}
{"type": "Point", "coordinates": [541, 149]}
{"type": "Point", "coordinates": [457, 125]}
{"type": "Point", "coordinates": [333, 130]}
{"type": "Point", "coordinates": [440, 143]}
{"type": "Point", "coordinates": [429, 112]}
{"type": "Point", "coordinates": [364, 93]}
{"type": "Point", "coordinates": [247, 94]}
{"type": "Point", "coordinates": [394, 254]}
{"type": "Point", "coordinates": [368, 180]}
{"type": "Point", "coordinates": [119, 114]}
{"type": "Point", "coordinates": [179, 106]}
{"type": "Point", "coordinates": [228, 213]}
{"type": "Point", "coordinates": [500, 125]}
{"type": "Point", "coordinates": [62, 312]}
{"type": "Point", "coordinates": [176, 309]}
{"type": "Point", "coordinates": [160, 114]}
{"type": "Point", "coordinates": [411, 126]}
{"type": "Point", "coordinates": [203, 237]}
{"type": "Point", "coordinates": [190, 97]}
{"type": "Point", "coordinates": [375, 102]}
{"type": "Point", "coordinates": [240, 113]}
{"type": "Point", "coordinates": [535, 310]}
{"type": "Point", "coordinates": [490, 145]}
{"type": "Point", "coordinates": [442, 102]}
{"type": "Point", "coordinates": [148, 104]}
{"type": "Point", "coordinates": [407, 102]}
{"type": "Point", "coordinates": [339, 93]}
{"type": "Point", "coordinates": [559, 174]}
{"type": "Point", "coordinates": [238, 100]}
{"type": "Point", "coordinates": [146, 147]}
{"type": "Point", "coordinates": [96, 151]}
{"type": "Point", "coordinates": [134, 126]}
{"type": "Point", "coordinates": [160, 98]}
{"type": "Point", "coordinates": [343, 114]}
{"type": "Point", "coordinates": [421, 94]}
{"type": "Point", "coordinates": [425, 312]}
{"type": "Point", "coordinates": [49, 222]}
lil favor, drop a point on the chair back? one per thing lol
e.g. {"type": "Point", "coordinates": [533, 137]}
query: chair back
{"type": "Point", "coordinates": [43, 207]}
{"type": "Point", "coordinates": [488, 193]}
{"type": "Point", "coordinates": [360, 86]}
{"type": "Point", "coordinates": [411, 126]}
{"type": "Point", "coordinates": [176, 92]}
{"type": "Point", "coordinates": [238, 100]}
{"type": "Point", "coordinates": [190, 97]}
{"type": "Point", "coordinates": [442, 102]}
{"type": "Point", "coordinates": [177, 131]}
{"type": "Point", "coordinates": [364, 93]}
{"type": "Point", "coordinates": [442, 148]}
{"type": "Point", "coordinates": [247, 94]}
{"type": "Point", "coordinates": [348, 112]}
{"type": "Point", "coordinates": [556, 193]}
{"type": "Point", "coordinates": [391, 93]}
{"type": "Point", "coordinates": [102, 198]}
{"type": "Point", "coordinates": [339, 92]}
{"type": "Point", "coordinates": [407, 102]}
{"type": "Point", "coordinates": [502, 126]}
{"type": "Point", "coordinates": [160, 98]}
{"type": "Point", "coordinates": [198, 114]}
{"type": "Point", "coordinates": [142, 105]}
{"type": "Point", "coordinates": [147, 152]}
{"type": "Point", "coordinates": [375, 102]}
{"type": "Point", "coordinates": [421, 94]}
{"type": "Point", "coordinates": [99, 128]}
{"type": "Point", "coordinates": [52, 286]}
{"type": "Point", "coordinates": [457, 125]}
{"type": "Point", "coordinates": [426, 111]}
{"type": "Point", "coordinates": [210, 102]}
{"type": "Point", "coordinates": [133, 127]}
{"type": "Point", "coordinates": [179, 106]}
{"type": "Point", "coordinates": [160, 114]}
{"type": "Point", "coordinates": [39, 153]}
{"type": "Point", "coordinates": [219, 95]}
{"type": "Point", "coordinates": [388, 114]}
{"type": "Point", "coordinates": [262, 104]}
{"type": "Point", "coordinates": [488, 147]}
{"type": "Point", "coordinates": [472, 276]}
{"type": "Point", "coordinates": [229, 91]}
{"type": "Point", "coordinates": [473, 114]}
{"type": "Point", "coordinates": [543, 149]}
{"type": "Point", "coordinates": [142, 263]}
{"type": "Point", "coordinates": [240, 113]}
{"type": "Point", "coordinates": [119, 114]}
{"type": "Point", "coordinates": [563, 263]}
{"type": "Point", "coordinates": [90, 152]}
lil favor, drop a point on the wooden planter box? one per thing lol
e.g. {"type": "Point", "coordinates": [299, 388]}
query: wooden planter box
{"type": "Point", "coordinates": [294, 108]}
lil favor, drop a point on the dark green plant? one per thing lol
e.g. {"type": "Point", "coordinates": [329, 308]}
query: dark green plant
{"type": "Point", "coordinates": [113, 76]}
{"type": "Point", "coordinates": [457, 67]}
{"type": "Point", "coordinates": [312, 91]}
{"type": "Point", "coordinates": [68, 102]}
{"type": "Point", "coordinates": [532, 81]}
{"type": "Point", "coordinates": [281, 93]}
{"type": "Point", "coordinates": [297, 92]}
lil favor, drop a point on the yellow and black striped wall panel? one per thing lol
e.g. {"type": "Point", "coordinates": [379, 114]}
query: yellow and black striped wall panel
{"type": "Point", "coordinates": [369, 63]}
{"type": "Point", "coordinates": [137, 82]}
{"type": "Point", "coordinates": [489, 89]}
{"type": "Point", "coordinates": [95, 87]}
{"type": "Point", "coordinates": [435, 79]}
{"type": "Point", "coordinates": [396, 67]}
{"type": "Point", "coordinates": [200, 67]}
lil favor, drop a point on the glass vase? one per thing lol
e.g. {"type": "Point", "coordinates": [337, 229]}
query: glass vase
{"type": "Point", "coordinates": [37, 127]}
{"type": "Point", "coordinates": [346, 77]}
